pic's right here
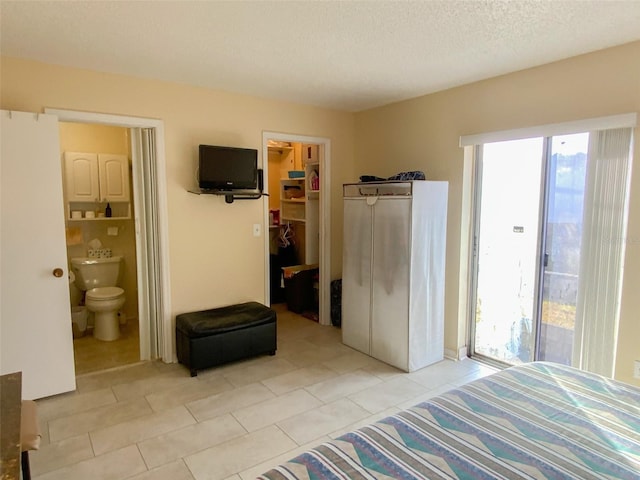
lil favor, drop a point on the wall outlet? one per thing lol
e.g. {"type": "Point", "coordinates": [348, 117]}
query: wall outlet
{"type": "Point", "coordinates": [636, 369]}
{"type": "Point", "coordinates": [257, 230]}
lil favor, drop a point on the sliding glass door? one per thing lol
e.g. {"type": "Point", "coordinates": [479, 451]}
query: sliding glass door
{"type": "Point", "coordinates": [529, 201]}
{"type": "Point", "coordinates": [506, 245]}
{"type": "Point", "coordinates": [549, 239]}
{"type": "Point", "coordinates": [567, 167]}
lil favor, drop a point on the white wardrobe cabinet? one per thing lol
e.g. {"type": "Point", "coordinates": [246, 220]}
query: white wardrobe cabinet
{"type": "Point", "coordinates": [393, 271]}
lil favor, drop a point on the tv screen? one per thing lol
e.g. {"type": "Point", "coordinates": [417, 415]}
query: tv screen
{"type": "Point", "coordinates": [227, 168]}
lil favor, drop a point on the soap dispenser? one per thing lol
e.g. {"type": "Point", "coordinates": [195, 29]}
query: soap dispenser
{"type": "Point", "coordinates": [107, 211]}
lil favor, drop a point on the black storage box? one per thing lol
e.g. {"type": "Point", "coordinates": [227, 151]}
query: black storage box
{"type": "Point", "coordinates": [336, 302]}
{"type": "Point", "coordinates": [220, 335]}
{"type": "Point", "coordinates": [275, 279]}
{"type": "Point", "coordinates": [298, 287]}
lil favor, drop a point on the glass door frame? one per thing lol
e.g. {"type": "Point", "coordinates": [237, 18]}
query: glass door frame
{"type": "Point", "coordinates": [540, 252]}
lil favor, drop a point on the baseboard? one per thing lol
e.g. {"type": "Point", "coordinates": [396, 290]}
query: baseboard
{"type": "Point", "coordinates": [450, 354]}
{"type": "Point", "coordinates": [462, 353]}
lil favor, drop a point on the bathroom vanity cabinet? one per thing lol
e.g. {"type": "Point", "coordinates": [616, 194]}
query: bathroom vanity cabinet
{"type": "Point", "coordinates": [94, 179]}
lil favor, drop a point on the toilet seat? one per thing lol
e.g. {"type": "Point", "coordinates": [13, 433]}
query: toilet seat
{"type": "Point", "coordinates": [104, 293]}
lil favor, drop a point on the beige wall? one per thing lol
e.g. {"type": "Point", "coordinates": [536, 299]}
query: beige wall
{"type": "Point", "coordinates": [91, 138]}
{"type": "Point", "coordinates": [214, 258]}
{"type": "Point", "coordinates": [423, 134]}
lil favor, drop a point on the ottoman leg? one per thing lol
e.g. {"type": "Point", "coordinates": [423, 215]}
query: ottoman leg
{"type": "Point", "coordinates": [194, 373]}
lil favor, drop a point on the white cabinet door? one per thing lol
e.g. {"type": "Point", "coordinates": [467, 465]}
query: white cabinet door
{"type": "Point", "coordinates": [390, 287]}
{"type": "Point", "coordinates": [35, 314]}
{"type": "Point", "coordinates": [356, 275]}
{"type": "Point", "coordinates": [114, 177]}
{"type": "Point", "coordinates": [81, 177]}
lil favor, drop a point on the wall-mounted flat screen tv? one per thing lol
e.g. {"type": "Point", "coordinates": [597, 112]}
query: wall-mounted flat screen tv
{"type": "Point", "coordinates": [227, 168]}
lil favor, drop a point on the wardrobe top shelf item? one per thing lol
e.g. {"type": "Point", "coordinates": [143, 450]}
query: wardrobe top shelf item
{"type": "Point", "coordinates": [366, 189]}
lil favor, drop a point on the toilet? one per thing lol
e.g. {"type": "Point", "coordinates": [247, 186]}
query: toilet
{"type": "Point", "coordinates": [98, 277]}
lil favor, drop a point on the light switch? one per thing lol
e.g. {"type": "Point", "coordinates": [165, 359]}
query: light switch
{"type": "Point", "coordinates": [256, 230]}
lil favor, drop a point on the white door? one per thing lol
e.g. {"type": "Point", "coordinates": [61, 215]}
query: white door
{"type": "Point", "coordinates": [35, 316]}
{"type": "Point", "coordinates": [114, 177]}
{"type": "Point", "coordinates": [356, 275]}
{"type": "Point", "coordinates": [81, 174]}
{"type": "Point", "coordinates": [390, 285]}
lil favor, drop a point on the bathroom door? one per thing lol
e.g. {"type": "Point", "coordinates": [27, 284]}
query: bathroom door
{"type": "Point", "coordinates": [35, 317]}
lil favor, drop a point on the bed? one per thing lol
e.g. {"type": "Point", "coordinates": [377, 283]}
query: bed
{"type": "Point", "coordinates": [538, 420]}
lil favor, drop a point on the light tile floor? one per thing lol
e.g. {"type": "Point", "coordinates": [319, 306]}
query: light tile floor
{"type": "Point", "coordinates": [91, 355]}
{"type": "Point", "coordinates": [153, 421]}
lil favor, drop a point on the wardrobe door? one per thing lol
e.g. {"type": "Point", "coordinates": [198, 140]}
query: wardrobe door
{"type": "Point", "coordinates": [390, 287]}
{"type": "Point", "coordinates": [356, 274]}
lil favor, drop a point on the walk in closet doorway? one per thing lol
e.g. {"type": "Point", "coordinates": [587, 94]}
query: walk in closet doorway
{"type": "Point", "coordinates": [297, 179]}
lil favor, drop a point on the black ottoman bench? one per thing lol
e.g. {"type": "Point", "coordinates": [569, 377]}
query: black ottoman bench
{"type": "Point", "coordinates": [220, 335]}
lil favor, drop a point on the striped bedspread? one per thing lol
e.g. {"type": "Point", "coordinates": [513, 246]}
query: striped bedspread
{"type": "Point", "coordinates": [538, 420]}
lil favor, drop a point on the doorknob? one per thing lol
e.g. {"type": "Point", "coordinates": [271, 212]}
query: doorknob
{"type": "Point", "coordinates": [58, 272]}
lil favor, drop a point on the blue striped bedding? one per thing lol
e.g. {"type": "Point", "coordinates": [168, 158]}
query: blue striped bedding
{"type": "Point", "coordinates": [538, 420]}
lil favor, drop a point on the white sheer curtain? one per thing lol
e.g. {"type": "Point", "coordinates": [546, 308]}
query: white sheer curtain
{"type": "Point", "coordinates": [602, 250]}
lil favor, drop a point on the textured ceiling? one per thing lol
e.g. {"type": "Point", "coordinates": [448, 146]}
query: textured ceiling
{"type": "Point", "coordinates": [337, 54]}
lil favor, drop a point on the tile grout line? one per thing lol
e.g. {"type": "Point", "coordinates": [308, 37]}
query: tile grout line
{"type": "Point", "coordinates": [326, 348]}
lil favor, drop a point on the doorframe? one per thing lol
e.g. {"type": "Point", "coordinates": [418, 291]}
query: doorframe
{"type": "Point", "coordinates": [164, 301]}
{"type": "Point", "coordinates": [324, 217]}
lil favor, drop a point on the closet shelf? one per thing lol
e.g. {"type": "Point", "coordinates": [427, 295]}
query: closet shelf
{"type": "Point", "coordinates": [299, 200]}
{"type": "Point", "coordinates": [293, 219]}
{"type": "Point", "coordinates": [99, 219]}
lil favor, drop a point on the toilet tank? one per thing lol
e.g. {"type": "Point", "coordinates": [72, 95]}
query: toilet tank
{"type": "Point", "coordinates": [96, 272]}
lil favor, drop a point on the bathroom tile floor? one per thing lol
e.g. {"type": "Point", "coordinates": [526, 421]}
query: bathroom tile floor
{"type": "Point", "coordinates": [152, 420]}
{"type": "Point", "coordinates": [91, 355]}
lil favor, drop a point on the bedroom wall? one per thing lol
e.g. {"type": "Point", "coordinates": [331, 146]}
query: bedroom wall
{"type": "Point", "coordinates": [214, 258]}
{"type": "Point", "coordinates": [423, 133]}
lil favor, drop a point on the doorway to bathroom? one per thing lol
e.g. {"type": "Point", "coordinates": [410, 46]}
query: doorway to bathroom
{"type": "Point", "coordinates": [132, 228]}
{"type": "Point", "coordinates": [100, 228]}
